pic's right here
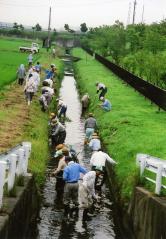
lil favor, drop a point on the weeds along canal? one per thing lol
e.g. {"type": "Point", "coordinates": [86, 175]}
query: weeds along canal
{"type": "Point", "coordinates": [51, 224]}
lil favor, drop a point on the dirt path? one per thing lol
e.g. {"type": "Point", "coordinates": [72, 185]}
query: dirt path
{"type": "Point", "coordinates": [14, 115]}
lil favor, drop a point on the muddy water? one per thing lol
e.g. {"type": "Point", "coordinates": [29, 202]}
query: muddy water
{"type": "Point", "coordinates": [51, 224]}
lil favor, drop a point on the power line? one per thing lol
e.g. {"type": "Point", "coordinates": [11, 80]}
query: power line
{"type": "Point", "coordinates": [134, 11]}
{"type": "Point", "coordinates": [129, 13]}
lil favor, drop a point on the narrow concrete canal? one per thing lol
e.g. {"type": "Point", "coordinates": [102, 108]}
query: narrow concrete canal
{"type": "Point", "coordinates": [51, 224]}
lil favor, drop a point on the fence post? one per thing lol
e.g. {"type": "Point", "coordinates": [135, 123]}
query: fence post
{"type": "Point", "coordinates": [27, 148]}
{"type": "Point", "coordinates": [159, 179]}
{"type": "Point", "coordinates": [12, 170]}
{"type": "Point", "coordinates": [142, 164]}
{"type": "Point", "coordinates": [20, 165]}
{"type": "Point", "coordinates": [3, 166]}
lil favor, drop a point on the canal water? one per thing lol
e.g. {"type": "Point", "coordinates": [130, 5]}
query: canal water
{"type": "Point", "coordinates": [51, 223]}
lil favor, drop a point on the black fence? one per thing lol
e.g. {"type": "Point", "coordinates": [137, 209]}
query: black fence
{"type": "Point", "coordinates": [154, 93]}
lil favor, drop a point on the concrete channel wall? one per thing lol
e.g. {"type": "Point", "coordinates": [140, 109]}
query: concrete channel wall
{"type": "Point", "coordinates": [144, 218]}
{"type": "Point", "coordinates": [19, 212]}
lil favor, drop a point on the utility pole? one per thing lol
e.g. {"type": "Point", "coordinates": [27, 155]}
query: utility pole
{"type": "Point", "coordinates": [135, 2]}
{"type": "Point", "coordinates": [142, 21]}
{"type": "Point", "coordinates": [129, 13]}
{"type": "Point", "coordinates": [49, 28]}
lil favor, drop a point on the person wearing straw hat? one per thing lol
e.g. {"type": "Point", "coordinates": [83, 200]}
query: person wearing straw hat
{"type": "Point", "coordinates": [90, 126]}
{"type": "Point", "coordinates": [71, 176]}
{"type": "Point", "coordinates": [95, 143]}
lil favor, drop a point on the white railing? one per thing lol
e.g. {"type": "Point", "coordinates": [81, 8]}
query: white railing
{"type": "Point", "coordinates": [12, 163]}
{"type": "Point", "coordinates": [155, 165]}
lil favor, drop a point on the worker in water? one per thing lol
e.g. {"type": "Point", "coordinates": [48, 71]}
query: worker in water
{"type": "Point", "coordinates": [90, 126]}
{"type": "Point", "coordinates": [85, 102]}
{"type": "Point", "coordinates": [87, 192]}
{"type": "Point", "coordinates": [62, 108]}
{"type": "Point", "coordinates": [71, 175]}
{"type": "Point", "coordinates": [102, 89]}
{"type": "Point", "coordinates": [98, 160]}
{"type": "Point", "coordinates": [95, 143]}
{"type": "Point", "coordinates": [58, 133]}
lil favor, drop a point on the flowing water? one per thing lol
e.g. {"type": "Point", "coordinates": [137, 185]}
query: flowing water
{"type": "Point", "coordinates": [51, 224]}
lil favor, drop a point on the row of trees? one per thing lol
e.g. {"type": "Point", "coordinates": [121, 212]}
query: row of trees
{"type": "Point", "coordinates": [83, 28]}
{"type": "Point", "coordinates": [140, 48]}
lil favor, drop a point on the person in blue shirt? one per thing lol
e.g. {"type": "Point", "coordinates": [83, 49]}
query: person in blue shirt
{"type": "Point", "coordinates": [106, 105]}
{"type": "Point", "coordinates": [38, 67]}
{"type": "Point", "coordinates": [71, 175]}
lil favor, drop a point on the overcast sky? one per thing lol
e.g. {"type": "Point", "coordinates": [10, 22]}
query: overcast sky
{"type": "Point", "coordinates": [75, 12]}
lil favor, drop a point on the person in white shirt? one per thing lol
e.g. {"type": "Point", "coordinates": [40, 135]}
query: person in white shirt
{"type": "Point", "coordinates": [36, 78]}
{"type": "Point", "coordinates": [49, 81]}
{"type": "Point", "coordinates": [102, 89]}
{"type": "Point", "coordinates": [95, 143]}
{"type": "Point", "coordinates": [87, 192]}
{"type": "Point", "coordinates": [62, 108]}
{"type": "Point", "coordinates": [99, 159]}
{"type": "Point", "coordinates": [29, 88]}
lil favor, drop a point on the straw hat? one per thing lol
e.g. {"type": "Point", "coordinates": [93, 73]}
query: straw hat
{"type": "Point", "coordinates": [90, 114]}
{"type": "Point", "coordinates": [59, 146]}
{"type": "Point", "coordinates": [95, 136]}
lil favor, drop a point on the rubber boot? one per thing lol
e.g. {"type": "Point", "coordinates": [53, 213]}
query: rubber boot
{"type": "Point", "coordinates": [66, 210]}
{"type": "Point", "coordinates": [86, 217]}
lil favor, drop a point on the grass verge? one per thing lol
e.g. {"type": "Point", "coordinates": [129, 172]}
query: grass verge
{"type": "Point", "coordinates": [133, 125]}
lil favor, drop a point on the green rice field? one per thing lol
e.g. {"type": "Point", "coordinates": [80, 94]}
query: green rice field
{"type": "Point", "coordinates": [11, 58]}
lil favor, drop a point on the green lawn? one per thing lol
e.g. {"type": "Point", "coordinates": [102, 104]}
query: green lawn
{"type": "Point", "coordinates": [11, 58]}
{"type": "Point", "coordinates": [133, 125]}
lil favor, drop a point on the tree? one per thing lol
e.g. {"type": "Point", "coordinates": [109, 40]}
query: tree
{"type": "Point", "coordinates": [15, 25]}
{"type": "Point", "coordinates": [66, 26]}
{"type": "Point", "coordinates": [38, 27]}
{"type": "Point", "coordinates": [83, 27]}
{"type": "Point", "coordinates": [21, 27]}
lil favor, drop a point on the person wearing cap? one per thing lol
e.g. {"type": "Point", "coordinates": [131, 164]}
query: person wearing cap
{"type": "Point", "coordinates": [58, 173]}
{"type": "Point", "coordinates": [85, 102]}
{"type": "Point", "coordinates": [95, 143]}
{"type": "Point", "coordinates": [38, 67]}
{"type": "Point", "coordinates": [90, 126]}
{"type": "Point", "coordinates": [58, 133]}
{"type": "Point", "coordinates": [62, 108]}
{"type": "Point", "coordinates": [71, 175]}
{"type": "Point", "coordinates": [99, 159]}
{"type": "Point", "coordinates": [30, 59]}
{"type": "Point", "coordinates": [102, 89]}
{"type": "Point", "coordinates": [87, 192]}
{"type": "Point", "coordinates": [106, 105]}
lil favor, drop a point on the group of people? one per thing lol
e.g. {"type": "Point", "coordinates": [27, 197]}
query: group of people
{"type": "Point", "coordinates": [101, 90]}
{"type": "Point", "coordinates": [30, 79]}
{"type": "Point", "coordinates": [77, 184]}
{"type": "Point", "coordinates": [74, 181]}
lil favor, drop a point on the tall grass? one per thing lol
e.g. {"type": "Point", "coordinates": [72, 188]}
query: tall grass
{"type": "Point", "coordinates": [133, 125]}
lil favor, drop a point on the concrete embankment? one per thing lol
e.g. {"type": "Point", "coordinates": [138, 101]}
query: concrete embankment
{"type": "Point", "coordinates": [20, 212]}
{"type": "Point", "coordinates": [148, 215]}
